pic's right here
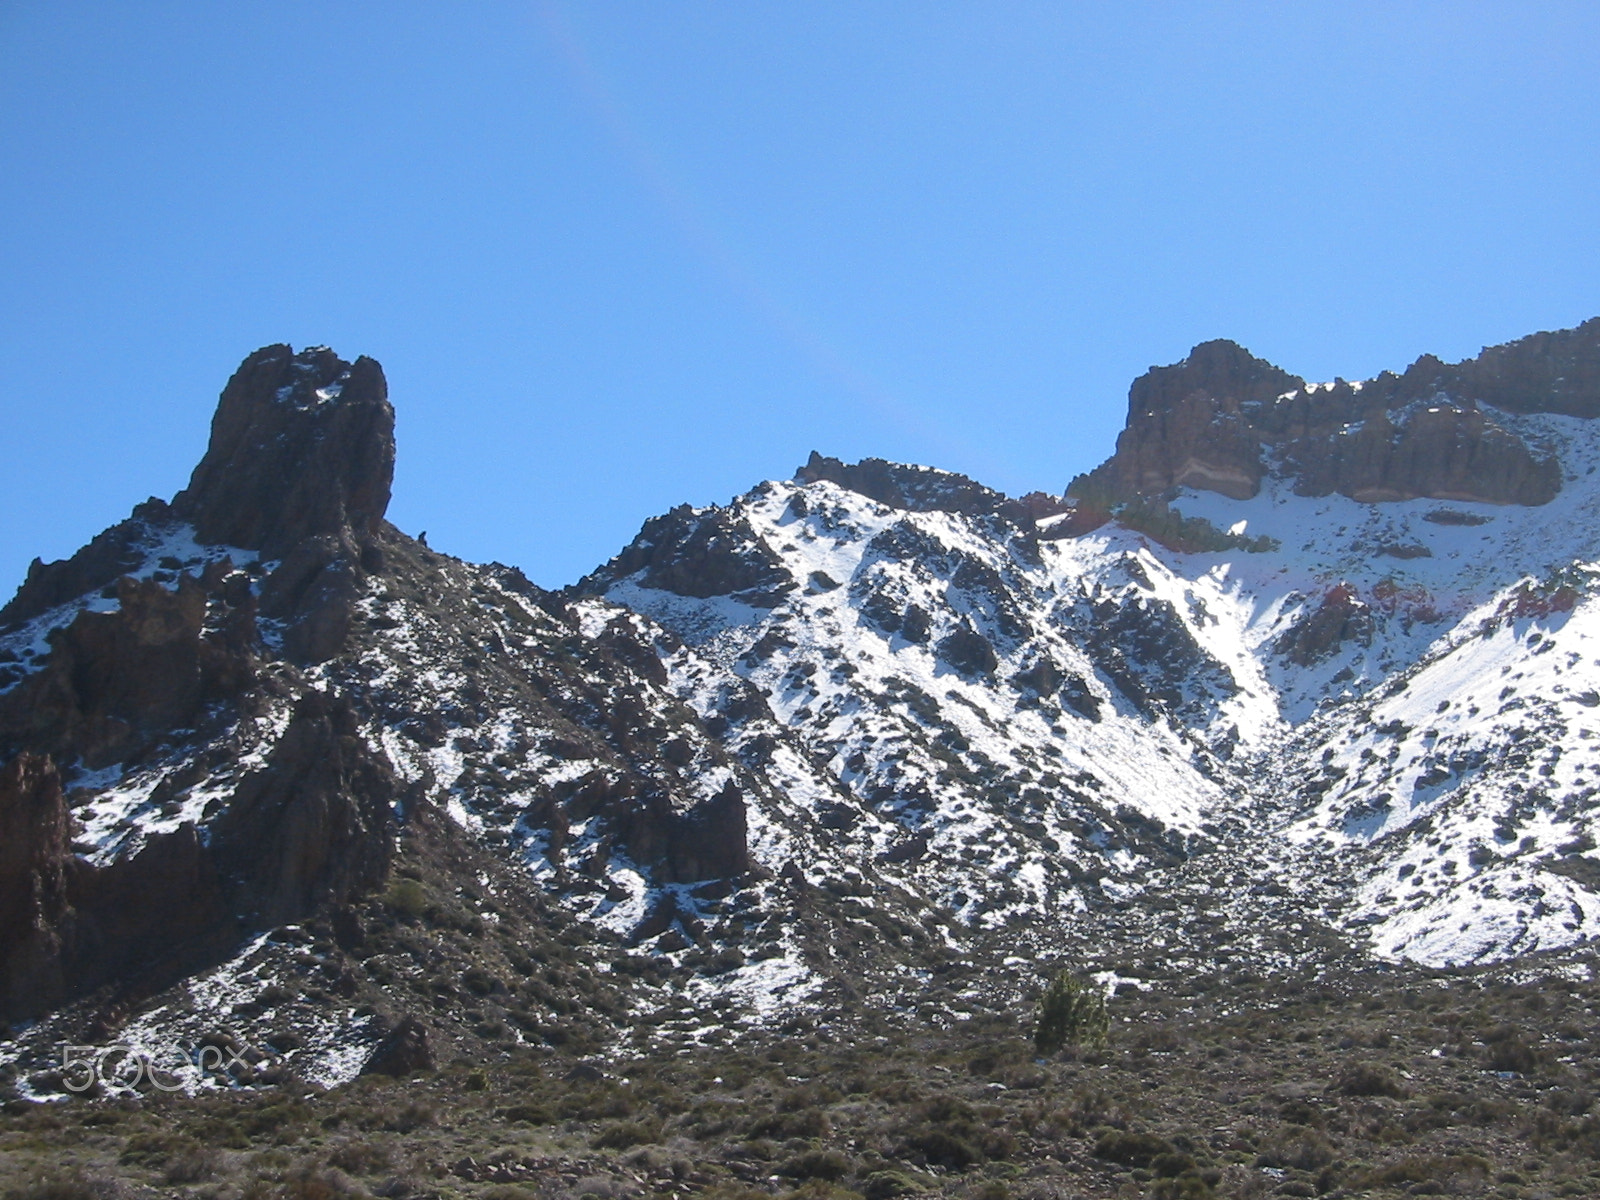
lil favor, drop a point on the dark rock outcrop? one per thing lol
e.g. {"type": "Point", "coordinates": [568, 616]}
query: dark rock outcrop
{"type": "Point", "coordinates": [1142, 646]}
{"type": "Point", "coordinates": [916, 489]}
{"type": "Point", "coordinates": [1339, 616]}
{"type": "Point", "coordinates": [67, 927]}
{"type": "Point", "coordinates": [1221, 418]}
{"type": "Point", "coordinates": [1443, 452]}
{"type": "Point", "coordinates": [700, 555]}
{"type": "Point", "coordinates": [315, 826]}
{"type": "Point", "coordinates": [1186, 426]}
{"type": "Point", "coordinates": [33, 885]}
{"type": "Point", "coordinates": [968, 651]}
{"type": "Point", "coordinates": [1549, 372]}
{"type": "Point", "coordinates": [313, 592]}
{"type": "Point", "coordinates": [405, 1050]}
{"type": "Point", "coordinates": [111, 554]}
{"type": "Point", "coordinates": [154, 654]}
{"type": "Point", "coordinates": [681, 842]}
{"type": "Point", "coordinates": [116, 680]}
{"type": "Point", "coordinates": [147, 919]}
{"type": "Point", "coordinates": [302, 445]}
{"type": "Point", "coordinates": [928, 489]}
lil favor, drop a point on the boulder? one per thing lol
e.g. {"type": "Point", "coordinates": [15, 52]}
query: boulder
{"type": "Point", "coordinates": [407, 1049]}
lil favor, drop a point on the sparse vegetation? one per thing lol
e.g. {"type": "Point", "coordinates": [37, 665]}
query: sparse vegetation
{"type": "Point", "coordinates": [1288, 1087]}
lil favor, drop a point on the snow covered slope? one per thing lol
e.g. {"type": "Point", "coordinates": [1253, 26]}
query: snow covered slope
{"type": "Point", "coordinates": [1032, 719]}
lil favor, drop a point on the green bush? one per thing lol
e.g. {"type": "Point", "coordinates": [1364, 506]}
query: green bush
{"type": "Point", "coordinates": [1071, 1014]}
{"type": "Point", "coordinates": [407, 897]}
{"type": "Point", "coordinates": [943, 1148]}
{"type": "Point", "coordinates": [890, 1185]}
{"type": "Point", "coordinates": [1371, 1079]}
{"type": "Point", "coordinates": [624, 1134]}
{"type": "Point", "coordinates": [1131, 1148]}
{"type": "Point", "coordinates": [1508, 1051]}
{"type": "Point", "coordinates": [818, 1164]}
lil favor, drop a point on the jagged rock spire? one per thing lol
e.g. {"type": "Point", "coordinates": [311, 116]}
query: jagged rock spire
{"type": "Point", "coordinates": [301, 445]}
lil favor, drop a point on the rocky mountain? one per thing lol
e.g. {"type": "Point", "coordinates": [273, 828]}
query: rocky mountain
{"type": "Point", "coordinates": [1304, 678]}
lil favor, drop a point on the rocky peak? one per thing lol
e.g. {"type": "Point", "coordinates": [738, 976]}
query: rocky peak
{"type": "Point", "coordinates": [302, 445]}
{"type": "Point", "coordinates": [1549, 372]}
{"type": "Point", "coordinates": [916, 489]}
{"type": "Point", "coordinates": [1220, 371]}
{"type": "Point", "coordinates": [299, 467]}
{"type": "Point", "coordinates": [1222, 418]}
{"type": "Point", "coordinates": [1185, 426]}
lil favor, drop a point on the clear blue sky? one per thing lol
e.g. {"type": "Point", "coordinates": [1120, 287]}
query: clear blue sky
{"type": "Point", "coordinates": [618, 256]}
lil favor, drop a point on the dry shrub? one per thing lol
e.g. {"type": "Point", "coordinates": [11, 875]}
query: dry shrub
{"type": "Point", "coordinates": [1130, 1148]}
{"type": "Point", "coordinates": [361, 1157]}
{"type": "Point", "coordinates": [1371, 1079]}
{"type": "Point", "coordinates": [69, 1185]}
{"type": "Point", "coordinates": [1298, 1147]}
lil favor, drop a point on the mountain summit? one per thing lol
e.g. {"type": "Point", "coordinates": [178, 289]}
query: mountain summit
{"type": "Point", "coordinates": [302, 446]}
{"type": "Point", "coordinates": [1222, 420]}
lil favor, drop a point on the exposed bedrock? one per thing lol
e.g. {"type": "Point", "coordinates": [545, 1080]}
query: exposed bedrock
{"type": "Point", "coordinates": [1221, 419]}
{"type": "Point", "coordinates": [312, 828]}
{"type": "Point", "coordinates": [301, 445]}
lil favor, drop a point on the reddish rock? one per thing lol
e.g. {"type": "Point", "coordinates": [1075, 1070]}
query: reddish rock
{"type": "Point", "coordinates": [1216, 419]}
{"type": "Point", "coordinates": [1186, 427]}
{"type": "Point", "coordinates": [33, 885]}
{"type": "Point", "coordinates": [1537, 602]}
{"type": "Point", "coordinates": [1339, 617]}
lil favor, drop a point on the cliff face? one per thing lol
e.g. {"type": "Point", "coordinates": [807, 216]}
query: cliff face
{"type": "Point", "coordinates": [1187, 425]}
{"type": "Point", "coordinates": [302, 445]}
{"type": "Point", "coordinates": [151, 645]}
{"type": "Point", "coordinates": [216, 717]}
{"type": "Point", "coordinates": [1222, 419]}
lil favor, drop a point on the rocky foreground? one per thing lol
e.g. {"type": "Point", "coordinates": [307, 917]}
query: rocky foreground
{"type": "Point", "coordinates": [1393, 1086]}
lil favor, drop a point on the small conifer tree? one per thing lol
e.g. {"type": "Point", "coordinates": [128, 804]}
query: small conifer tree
{"type": "Point", "coordinates": [1071, 1014]}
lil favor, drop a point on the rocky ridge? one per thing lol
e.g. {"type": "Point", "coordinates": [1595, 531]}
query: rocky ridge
{"type": "Point", "coordinates": [1320, 651]}
{"type": "Point", "coordinates": [1222, 420]}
